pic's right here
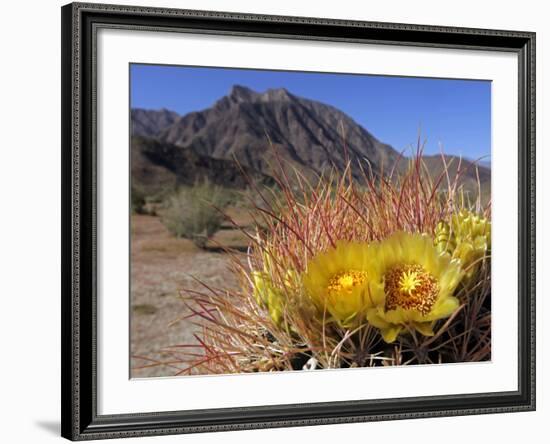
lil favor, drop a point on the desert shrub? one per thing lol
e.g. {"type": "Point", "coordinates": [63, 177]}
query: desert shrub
{"type": "Point", "coordinates": [195, 212]}
{"type": "Point", "coordinates": [137, 198]}
{"type": "Point", "coordinates": [159, 195]}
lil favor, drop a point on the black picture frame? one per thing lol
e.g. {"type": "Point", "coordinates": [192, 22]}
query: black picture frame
{"type": "Point", "coordinates": [79, 169]}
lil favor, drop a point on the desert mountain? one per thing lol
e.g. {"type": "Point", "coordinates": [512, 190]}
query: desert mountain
{"type": "Point", "coordinates": [149, 123]}
{"type": "Point", "coordinates": [251, 127]}
{"type": "Point", "coordinates": [158, 166]}
{"type": "Point", "coordinates": [468, 171]}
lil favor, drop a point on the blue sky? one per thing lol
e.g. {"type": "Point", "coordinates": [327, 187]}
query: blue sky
{"type": "Point", "coordinates": [455, 113]}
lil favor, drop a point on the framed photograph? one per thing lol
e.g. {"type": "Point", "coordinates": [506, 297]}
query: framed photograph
{"type": "Point", "coordinates": [279, 221]}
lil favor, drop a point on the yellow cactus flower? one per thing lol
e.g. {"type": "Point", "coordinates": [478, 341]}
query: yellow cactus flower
{"type": "Point", "coordinates": [414, 282]}
{"type": "Point", "coordinates": [268, 296]}
{"type": "Point", "coordinates": [337, 281]}
{"type": "Point", "coordinates": [467, 238]}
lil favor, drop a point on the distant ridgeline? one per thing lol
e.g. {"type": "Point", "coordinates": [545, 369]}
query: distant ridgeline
{"type": "Point", "coordinates": [247, 134]}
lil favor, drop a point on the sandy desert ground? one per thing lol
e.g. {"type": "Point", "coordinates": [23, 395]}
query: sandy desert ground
{"type": "Point", "coordinates": [162, 267]}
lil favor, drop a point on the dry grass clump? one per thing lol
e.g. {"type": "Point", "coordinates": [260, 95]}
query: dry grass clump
{"type": "Point", "coordinates": [391, 270]}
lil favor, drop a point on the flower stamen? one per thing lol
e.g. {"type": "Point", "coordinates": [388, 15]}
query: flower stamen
{"type": "Point", "coordinates": [346, 281]}
{"type": "Point", "coordinates": [411, 287]}
{"type": "Point", "coordinates": [409, 281]}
